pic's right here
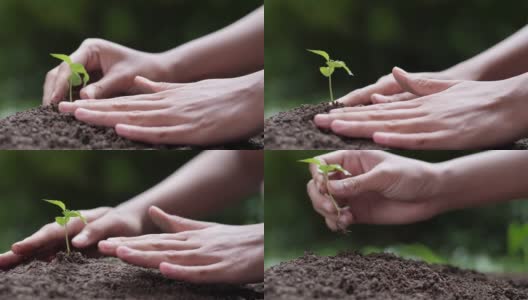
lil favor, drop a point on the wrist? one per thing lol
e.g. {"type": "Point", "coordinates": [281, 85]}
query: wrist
{"type": "Point", "coordinates": [464, 71]}
{"type": "Point", "coordinates": [444, 175]}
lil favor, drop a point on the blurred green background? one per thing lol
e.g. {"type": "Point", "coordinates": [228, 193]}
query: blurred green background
{"type": "Point", "coordinates": [31, 29]}
{"type": "Point", "coordinates": [472, 238]}
{"type": "Point", "coordinates": [373, 36]}
{"type": "Point", "coordinates": [88, 179]}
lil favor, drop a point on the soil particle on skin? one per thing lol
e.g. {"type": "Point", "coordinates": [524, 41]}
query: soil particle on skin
{"type": "Point", "coordinates": [44, 128]}
{"type": "Point", "coordinates": [77, 277]}
{"type": "Point", "coordinates": [295, 130]}
{"type": "Point", "coordinates": [382, 276]}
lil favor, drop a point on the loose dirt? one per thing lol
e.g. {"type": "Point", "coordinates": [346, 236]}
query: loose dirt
{"type": "Point", "coordinates": [382, 276]}
{"type": "Point", "coordinates": [295, 130]}
{"type": "Point", "coordinates": [77, 277]}
{"type": "Point", "coordinates": [44, 128]}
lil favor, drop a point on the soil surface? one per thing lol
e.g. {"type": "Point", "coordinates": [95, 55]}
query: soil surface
{"type": "Point", "coordinates": [295, 130]}
{"type": "Point", "coordinates": [382, 276]}
{"type": "Point", "coordinates": [45, 128]}
{"type": "Point", "coordinates": [77, 277]}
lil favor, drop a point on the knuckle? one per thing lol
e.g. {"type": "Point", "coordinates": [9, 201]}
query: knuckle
{"type": "Point", "coordinates": [134, 116]}
{"type": "Point", "coordinates": [350, 185]}
{"type": "Point", "coordinates": [392, 125]}
{"type": "Point", "coordinates": [119, 106]}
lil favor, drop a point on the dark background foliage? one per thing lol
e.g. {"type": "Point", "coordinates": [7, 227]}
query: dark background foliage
{"type": "Point", "coordinates": [88, 179]}
{"type": "Point", "coordinates": [372, 36]}
{"type": "Point", "coordinates": [31, 29]}
{"type": "Point", "coordinates": [472, 238]}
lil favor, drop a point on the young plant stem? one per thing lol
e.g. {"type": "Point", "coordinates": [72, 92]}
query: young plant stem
{"type": "Point", "coordinates": [67, 239]}
{"type": "Point", "coordinates": [325, 175]}
{"type": "Point", "coordinates": [330, 87]}
{"type": "Point", "coordinates": [71, 93]}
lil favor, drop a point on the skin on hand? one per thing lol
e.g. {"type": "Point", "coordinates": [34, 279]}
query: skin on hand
{"type": "Point", "coordinates": [193, 251]}
{"type": "Point", "coordinates": [203, 113]}
{"type": "Point", "coordinates": [103, 222]}
{"type": "Point", "coordinates": [449, 114]}
{"type": "Point", "coordinates": [383, 189]}
{"type": "Point", "coordinates": [118, 65]}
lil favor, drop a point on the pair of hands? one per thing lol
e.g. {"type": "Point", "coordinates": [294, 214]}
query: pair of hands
{"type": "Point", "coordinates": [193, 251]}
{"type": "Point", "coordinates": [434, 111]}
{"type": "Point", "coordinates": [200, 113]}
{"type": "Point", "coordinates": [383, 189]}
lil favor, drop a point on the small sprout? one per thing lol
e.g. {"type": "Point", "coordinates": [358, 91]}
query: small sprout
{"type": "Point", "coordinates": [325, 170]}
{"type": "Point", "coordinates": [67, 215]}
{"type": "Point", "coordinates": [518, 241]}
{"type": "Point", "coordinates": [331, 65]}
{"type": "Point", "coordinates": [77, 70]}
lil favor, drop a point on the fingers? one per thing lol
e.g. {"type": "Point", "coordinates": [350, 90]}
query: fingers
{"type": "Point", "coordinates": [367, 129]}
{"type": "Point", "coordinates": [377, 98]}
{"type": "Point", "coordinates": [110, 247]}
{"type": "Point", "coordinates": [112, 118]}
{"type": "Point", "coordinates": [176, 135]}
{"type": "Point", "coordinates": [386, 85]}
{"type": "Point", "coordinates": [126, 104]}
{"type": "Point", "coordinates": [10, 259]}
{"type": "Point", "coordinates": [148, 86]}
{"type": "Point", "coordinates": [421, 86]}
{"type": "Point", "coordinates": [152, 259]}
{"type": "Point", "coordinates": [196, 274]}
{"type": "Point", "coordinates": [325, 120]}
{"type": "Point", "coordinates": [321, 203]}
{"type": "Point", "coordinates": [49, 84]}
{"type": "Point", "coordinates": [173, 223]}
{"type": "Point", "coordinates": [110, 85]}
{"type": "Point", "coordinates": [96, 231]}
{"type": "Point", "coordinates": [383, 106]}
{"type": "Point", "coordinates": [354, 186]}
{"type": "Point", "coordinates": [416, 141]}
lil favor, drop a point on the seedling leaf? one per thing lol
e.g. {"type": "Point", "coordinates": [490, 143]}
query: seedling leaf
{"type": "Point", "coordinates": [58, 203]}
{"type": "Point", "coordinates": [80, 70]}
{"type": "Point", "coordinates": [327, 71]}
{"type": "Point", "coordinates": [312, 161]}
{"type": "Point", "coordinates": [75, 79]}
{"type": "Point", "coordinates": [76, 214]}
{"type": "Point", "coordinates": [63, 57]}
{"type": "Point", "coordinates": [61, 221]}
{"type": "Point", "coordinates": [339, 64]}
{"type": "Point", "coordinates": [321, 53]}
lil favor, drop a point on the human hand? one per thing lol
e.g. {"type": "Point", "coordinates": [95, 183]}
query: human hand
{"type": "Point", "coordinates": [119, 66]}
{"type": "Point", "coordinates": [203, 113]}
{"type": "Point", "coordinates": [194, 251]}
{"type": "Point", "coordinates": [450, 115]}
{"type": "Point", "coordinates": [387, 89]}
{"type": "Point", "coordinates": [383, 189]}
{"type": "Point", "coordinates": [103, 222]}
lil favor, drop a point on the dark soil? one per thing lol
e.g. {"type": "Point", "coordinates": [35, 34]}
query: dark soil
{"type": "Point", "coordinates": [45, 128]}
{"type": "Point", "coordinates": [295, 130]}
{"type": "Point", "coordinates": [77, 277]}
{"type": "Point", "coordinates": [382, 276]}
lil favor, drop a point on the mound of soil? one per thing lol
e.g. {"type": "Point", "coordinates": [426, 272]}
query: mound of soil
{"type": "Point", "coordinates": [295, 130]}
{"type": "Point", "coordinates": [44, 128]}
{"type": "Point", "coordinates": [382, 276]}
{"type": "Point", "coordinates": [77, 277]}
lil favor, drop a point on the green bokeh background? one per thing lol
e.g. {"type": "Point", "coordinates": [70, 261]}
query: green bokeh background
{"type": "Point", "coordinates": [88, 179]}
{"type": "Point", "coordinates": [31, 29]}
{"type": "Point", "coordinates": [471, 238]}
{"type": "Point", "coordinates": [372, 36]}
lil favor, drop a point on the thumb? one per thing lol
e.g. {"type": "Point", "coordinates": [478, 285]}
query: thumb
{"type": "Point", "coordinates": [172, 223]}
{"type": "Point", "coordinates": [419, 85]}
{"type": "Point", "coordinates": [110, 85]}
{"type": "Point", "coordinates": [147, 86]}
{"type": "Point", "coordinates": [352, 186]}
{"type": "Point", "coordinates": [93, 233]}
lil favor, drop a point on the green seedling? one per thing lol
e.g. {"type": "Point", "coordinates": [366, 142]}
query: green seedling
{"type": "Point", "coordinates": [79, 76]}
{"type": "Point", "coordinates": [518, 240]}
{"type": "Point", "coordinates": [326, 170]}
{"type": "Point", "coordinates": [66, 216]}
{"type": "Point", "coordinates": [329, 69]}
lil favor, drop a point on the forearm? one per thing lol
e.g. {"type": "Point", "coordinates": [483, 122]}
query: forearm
{"type": "Point", "coordinates": [480, 179]}
{"type": "Point", "coordinates": [507, 59]}
{"type": "Point", "coordinates": [230, 52]}
{"type": "Point", "coordinates": [208, 183]}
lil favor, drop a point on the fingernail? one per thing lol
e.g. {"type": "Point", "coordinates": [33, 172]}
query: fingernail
{"type": "Point", "coordinates": [89, 92]}
{"type": "Point", "coordinates": [328, 207]}
{"type": "Point", "coordinates": [338, 125]}
{"type": "Point", "coordinates": [80, 240]}
{"type": "Point", "coordinates": [322, 120]}
{"type": "Point", "coordinates": [123, 250]}
{"type": "Point", "coordinates": [336, 186]}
